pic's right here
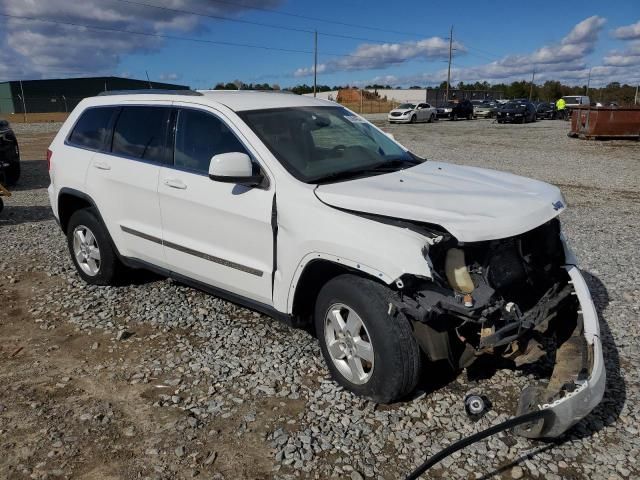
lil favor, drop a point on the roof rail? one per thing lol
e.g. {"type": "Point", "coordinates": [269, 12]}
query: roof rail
{"type": "Point", "coordinates": [152, 91]}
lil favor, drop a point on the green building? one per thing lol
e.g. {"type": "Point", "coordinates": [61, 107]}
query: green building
{"type": "Point", "coordinates": [63, 94]}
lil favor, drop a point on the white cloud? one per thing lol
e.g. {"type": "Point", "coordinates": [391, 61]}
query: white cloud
{"type": "Point", "coordinates": [550, 60]}
{"type": "Point", "coordinates": [630, 56]}
{"type": "Point", "coordinates": [628, 32]}
{"type": "Point", "coordinates": [374, 56]}
{"type": "Point", "coordinates": [169, 77]}
{"type": "Point", "coordinates": [36, 49]}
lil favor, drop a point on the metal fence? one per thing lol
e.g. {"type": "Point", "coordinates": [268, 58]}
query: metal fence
{"type": "Point", "coordinates": [43, 104]}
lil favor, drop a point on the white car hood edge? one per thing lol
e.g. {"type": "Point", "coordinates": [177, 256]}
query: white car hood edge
{"type": "Point", "coordinates": [473, 204]}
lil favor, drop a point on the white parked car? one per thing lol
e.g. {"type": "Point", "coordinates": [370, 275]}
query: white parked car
{"type": "Point", "coordinates": [303, 210]}
{"type": "Point", "coordinates": [412, 113]}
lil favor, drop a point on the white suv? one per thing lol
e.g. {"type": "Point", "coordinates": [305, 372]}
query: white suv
{"type": "Point", "coordinates": [303, 210]}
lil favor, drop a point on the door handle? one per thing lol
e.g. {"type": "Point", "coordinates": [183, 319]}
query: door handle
{"type": "Point", "coordinates": [102, 165]}
{"type": "Point", "coordinates": [174, 183]}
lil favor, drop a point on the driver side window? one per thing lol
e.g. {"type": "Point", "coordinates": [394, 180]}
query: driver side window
{"type": "Point", "coordinates": [200, 136]}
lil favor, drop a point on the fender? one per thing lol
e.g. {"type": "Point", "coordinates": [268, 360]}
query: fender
{"type": "Point", "coordinates": [386, 277]}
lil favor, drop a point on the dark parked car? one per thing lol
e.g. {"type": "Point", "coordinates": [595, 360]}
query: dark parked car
{"type": "Point", "coordinates": [461, 109]}
{"type": "Point", "coordinates": [545, 110]}
{"type": "Point", "coordinates": [9, 155]}
{"type": "Point", "coordinates": [517, 112]}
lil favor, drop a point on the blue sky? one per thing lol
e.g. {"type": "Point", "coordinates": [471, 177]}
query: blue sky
{"type": "Point", "coordinates": [497, 41]}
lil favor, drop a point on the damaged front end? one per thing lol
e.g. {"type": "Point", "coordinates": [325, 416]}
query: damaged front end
{"type": "Point", "coordinates": [517, 298]}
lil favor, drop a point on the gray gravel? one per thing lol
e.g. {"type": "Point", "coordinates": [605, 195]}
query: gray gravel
{"type": "Point", "coordinates": [229, 360]}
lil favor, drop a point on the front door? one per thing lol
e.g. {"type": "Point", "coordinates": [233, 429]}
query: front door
{"type": "Point", "coordinates": [213, 232]}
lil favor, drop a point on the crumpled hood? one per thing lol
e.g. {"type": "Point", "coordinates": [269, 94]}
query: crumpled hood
{"type": "Point", "coordinates": [473, 204]}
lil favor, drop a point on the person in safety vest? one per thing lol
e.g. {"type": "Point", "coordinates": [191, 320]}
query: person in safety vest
{"type": "Point", "coordinates": [561, 108]}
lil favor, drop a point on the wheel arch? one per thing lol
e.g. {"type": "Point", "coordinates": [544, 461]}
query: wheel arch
{"type": "Point", "coordinates": [69, 202]}
{"type": "Point", "coordinates": [314, 274]}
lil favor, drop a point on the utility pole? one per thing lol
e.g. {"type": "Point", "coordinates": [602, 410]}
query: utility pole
{"type": "Point", "coordinates": [635, 99]}
{"type": "Point", "coordinates": [148, 81]}
{"type": "Point", "coordinates": [315, 62]}
{"type": "Point", "coordinates": [24, 103]}
{"type": "Point", "coordinates": [533, 76]}
{"type": "Point", "coordinates": [588, 82]}
{"type": "Point", "coordinates": [449, 69]}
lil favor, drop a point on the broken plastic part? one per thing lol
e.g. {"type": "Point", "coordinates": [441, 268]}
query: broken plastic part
{"type": "Point", "coordinates": [572, 392]}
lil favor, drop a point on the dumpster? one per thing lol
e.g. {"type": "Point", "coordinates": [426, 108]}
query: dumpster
{"type": "Point", "coordinates": [605, 123]}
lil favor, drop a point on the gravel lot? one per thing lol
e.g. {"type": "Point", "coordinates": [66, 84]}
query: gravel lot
{"type": "Point", "coordinates": [157, 380]}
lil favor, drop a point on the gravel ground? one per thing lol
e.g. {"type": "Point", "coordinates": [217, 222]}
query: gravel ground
{"type": "Point", "coordinates": [157, 380]}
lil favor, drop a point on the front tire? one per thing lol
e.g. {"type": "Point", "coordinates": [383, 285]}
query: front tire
{"type": "Point", "coordinates": [413, 119]}
{"type": "Point", "coordinates": [91, 250]}
{"type": "Point", "coordinates": [368, 351]}
{"type": "Point", "coordinates": [12, 173]}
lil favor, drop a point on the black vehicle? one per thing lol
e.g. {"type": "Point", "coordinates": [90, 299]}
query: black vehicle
{"type": "Point", "coordinates": [9, 155]}
{"type": "Point", "coordinates": [517, 112]}
{"type": "Point", "coordinates": [461, 109]}
{"type": "Point", "coordinates": [545, 110]}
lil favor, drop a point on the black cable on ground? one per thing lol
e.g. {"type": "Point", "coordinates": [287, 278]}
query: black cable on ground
{"type": "Point", "coordinates": [459, 445]}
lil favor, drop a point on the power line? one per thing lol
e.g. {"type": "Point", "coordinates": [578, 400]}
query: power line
{"type": "Point", "coordinates": [175, 37]}
{"type": "Point", "coordinates": [157, 35]}
{"type": "Point", "coordinates": [260, 24]}
{"type": "Point", "coordinates": [315, 19]}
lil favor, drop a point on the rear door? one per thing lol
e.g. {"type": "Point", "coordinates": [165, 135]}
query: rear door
{"type": "Point", "coordinates": [123, 180]}
{"type": "Point", "coordinates": [216, 233]}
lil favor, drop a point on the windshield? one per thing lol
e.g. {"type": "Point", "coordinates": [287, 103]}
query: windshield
{"type": "Point", "coordinates": [321, 144]}
{"type": "Point", "coordinates": [405, 106]}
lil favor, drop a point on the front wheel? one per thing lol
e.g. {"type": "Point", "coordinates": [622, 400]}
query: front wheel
{"type": "Point", "coordinates": [413, 119]}
{"type": "Point", "coordinates": [12, 173]}
{"type": "Point", "coordinates": [368, 350]}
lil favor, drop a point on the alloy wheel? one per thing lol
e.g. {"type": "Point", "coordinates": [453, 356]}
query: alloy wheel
{"type": "Point", "coordinates": [348, 343]}
{"type": "Point", "coordinates": [86, 250]}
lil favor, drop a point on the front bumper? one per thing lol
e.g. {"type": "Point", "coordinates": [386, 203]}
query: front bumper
{"type": "Point", "coordinates": [402, 119]}
{"type": "Point", "coordinates": [587, 392]}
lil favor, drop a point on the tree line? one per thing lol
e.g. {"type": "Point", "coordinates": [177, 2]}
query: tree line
{"type": "Point", "coordinates": [551, 90]}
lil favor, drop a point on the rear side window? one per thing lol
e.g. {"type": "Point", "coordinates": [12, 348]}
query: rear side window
{"type": "Point", "coordinates": [92, 129]}
{"type": "Point", "coordinates": [141, 132]}
{"type": "Point", "coordinates": [200, 136]}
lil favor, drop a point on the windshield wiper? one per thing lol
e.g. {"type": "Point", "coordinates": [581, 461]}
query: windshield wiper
{"type": "Point", "coordinates": [383, 167]}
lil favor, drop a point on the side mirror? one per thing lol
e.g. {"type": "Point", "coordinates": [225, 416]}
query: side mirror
{"type": "Point", "coordinates": [234, 167]}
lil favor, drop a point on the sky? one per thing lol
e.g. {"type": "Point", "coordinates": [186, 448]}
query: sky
{"type": "Point", "coordinates": [405, 42]}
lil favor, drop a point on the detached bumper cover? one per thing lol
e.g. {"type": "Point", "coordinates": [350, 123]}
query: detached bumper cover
{"type": "Point", "coordinates": [587, 392]}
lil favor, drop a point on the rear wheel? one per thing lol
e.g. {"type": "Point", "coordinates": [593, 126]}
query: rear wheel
{"type": "Point", "coordinates": [91, 250]}
{"type": "Point", "coordinates": [367, 350]}
{"type": "Point", "coordinates": [432, 118]}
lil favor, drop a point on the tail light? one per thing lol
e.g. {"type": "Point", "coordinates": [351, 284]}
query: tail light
{"type": "Point", "coordinates": [49, 154]}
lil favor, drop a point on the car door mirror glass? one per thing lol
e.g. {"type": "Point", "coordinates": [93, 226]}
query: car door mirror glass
{"type": "Point", "coordinates": [234, 167]}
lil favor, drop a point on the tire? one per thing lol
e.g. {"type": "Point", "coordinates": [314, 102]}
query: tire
{"type": "Point", "coordinates": [12, 173]}
{"type": "Point", "coordinates": [106, 269]}
{"type": "Point", "coordinates": [396, 358]}
{"type": "Point", "coordinates": [432, 118]}
{"type": "Point", "coordinates": [413, 119]}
